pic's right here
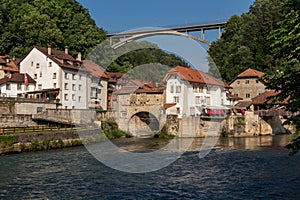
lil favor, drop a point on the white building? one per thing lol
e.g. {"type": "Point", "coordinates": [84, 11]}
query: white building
{"type": "Point", "coordinates": [16, 84]}
{"type": "Point", "coordinates": [52, 69]}
{"type": "Point", "coordinates": [191, 92]}
{"type": "Point", "coordinates": [97, 85]}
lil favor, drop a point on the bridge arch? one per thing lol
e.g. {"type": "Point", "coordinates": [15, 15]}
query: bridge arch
{"type": "Point", "coordinates": [142, 35]}
{"type": "Point", "coordinates": [143, 124]}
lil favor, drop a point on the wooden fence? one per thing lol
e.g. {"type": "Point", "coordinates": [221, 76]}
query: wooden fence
{"type": "Point", "coordinates": [35, 129]}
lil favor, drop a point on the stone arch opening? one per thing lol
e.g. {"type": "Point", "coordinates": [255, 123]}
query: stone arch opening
{"type": "Point", "coordinates": [143, 124]}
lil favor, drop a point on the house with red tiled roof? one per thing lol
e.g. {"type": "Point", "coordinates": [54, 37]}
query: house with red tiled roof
{"type": "Point", "coordinates": [247, 84]}
{"type": "Point", "coordinates": [97, 84]}
{"type": "Point", "coordinates": [8, 66]}
{"type": "Point", "coordinates": [193, 91]}
{"type": "Point", "coordinates": [16, 84]}
{"type": "Point", "coordinates": [55, 69]}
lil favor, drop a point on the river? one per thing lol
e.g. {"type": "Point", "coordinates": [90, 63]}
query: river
{"type": "Point", "coordinates": [239, 168]}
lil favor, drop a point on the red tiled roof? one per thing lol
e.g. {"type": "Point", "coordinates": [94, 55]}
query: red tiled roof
{"type": "Point", "coordinates": [266, 98]}
{"type": "Point", "coordinates": [11, 65]}
{"type": "Point", "coordinates": [250, 73]}
{"type": "Point", "coordinates": [94, 69]}
{"type": "Point", "coordinates": [17, 78]}
{"type": "Point", "coordinates": [196, 76]}
{"type": "Point", "coordinates": [234, 97]}
{"type": "Point", "coordinates": [244, 104]}
{"type": "Point", "coordinates": [168, 105]}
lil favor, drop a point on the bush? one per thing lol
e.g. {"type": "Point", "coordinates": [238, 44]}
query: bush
{"type": "Point", "coordinates": [8, 140]}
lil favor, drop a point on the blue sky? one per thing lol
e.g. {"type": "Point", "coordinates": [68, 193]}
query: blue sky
{"type": "Point", "coordinates": [121, 15]}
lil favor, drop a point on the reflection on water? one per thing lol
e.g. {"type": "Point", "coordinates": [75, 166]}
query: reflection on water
{"type": "Point", "coordinates": [240, 168]}
{"type": "Point", "coordinates": [242, 143]}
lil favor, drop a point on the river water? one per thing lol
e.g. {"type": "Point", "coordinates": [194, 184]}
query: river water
{"type": "Point", "coordinates": [239, 168]}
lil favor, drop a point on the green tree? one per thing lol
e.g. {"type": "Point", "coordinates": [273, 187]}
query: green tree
{"type": "Point", "coordinates": [41, 22]}
{"type": "Point", "coordinates": [285, 45]}
{"type": "Point", "coordinates": [244, 42]}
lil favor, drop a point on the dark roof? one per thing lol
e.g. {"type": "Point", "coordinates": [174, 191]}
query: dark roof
{"type": "Point", "coordinates": [94, 69]}
{"type": "Point", "coordinates": [233, 97]}
{"type": "Point", "coordinates": [59, 57]}
{"type": "Point", "coordinates": [244, 104]}
{"type": "Point", "coordinates": [17, 78]}
{"type": "Point", "coordinates": [266, 98]}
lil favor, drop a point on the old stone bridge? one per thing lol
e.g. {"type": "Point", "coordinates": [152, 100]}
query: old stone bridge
{"type": "Point", "coordinates": [140, 120]}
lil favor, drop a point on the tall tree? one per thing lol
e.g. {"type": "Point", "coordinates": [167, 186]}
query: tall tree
{"type": "Point", "coordinates": [41, 22]}
{"type": "Point", "coordinates": [285, 45]}
{"type": "Point", "coordinates": [244, 42]}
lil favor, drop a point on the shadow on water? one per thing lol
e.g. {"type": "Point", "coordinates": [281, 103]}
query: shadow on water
{"type": "Point", "coordinates": [224, 143]}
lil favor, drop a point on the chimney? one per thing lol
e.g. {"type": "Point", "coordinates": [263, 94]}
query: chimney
{"type": "Point", "coordinates": [8, 75]}
{"type": "Point", "coordinates": [66, 50]}
{"type": "Point", "coordinates": [49, 49]}
{"type": "Point", "coordinates": [14, 58]}
{"type": "Point", "coordinates": [78, 57]}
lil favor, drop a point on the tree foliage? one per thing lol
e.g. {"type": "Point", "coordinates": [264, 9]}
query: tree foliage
{"type": "Point", "coordinates": [244, 42]}
{"type": "Point", "coordinates": [285, 45]}
{"type": "Point", "coordinates": [61, 23]}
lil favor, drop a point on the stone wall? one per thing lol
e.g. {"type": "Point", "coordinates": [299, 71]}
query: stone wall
{"type": "Point", "coordinates": [16, 120]}
{"type": "Point", "coordinates": [252, 124]}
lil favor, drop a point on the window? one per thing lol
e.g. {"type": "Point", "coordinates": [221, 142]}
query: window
{"type": "Point", "coordinates": [54, 85]}
{"type": "Point", "coordinates": [35, 76]}
{"type": "Point", "coordinates": [123, 114]}
{"type": "Point", "coordinates": [176, 99]}
{"type": "Point", "coordinates": [79, 87]}
{"type": "Point", "coordinates": [257, 81]}
{"type": "Point", "coordinates": [208, 101]}
{"type": "Point", "coordinates": [238, 82]}
{"type": "Point", "coordinates": [26, 87]}
{"type": "Point", "coordinates": [50, 64]}
{"type": "Point", "coordinates": [31, 63]}
{"type": "Point", "coordinates": [66, 97]}
{"type": "Point", "coordinates": [41, 75]}
{"type": "Point", "coordinates": [247, 95]}
{"type": "Point", "coordinates": [207, 91]}
{"type": "Point", "coordinates": [8, 87]}
{"type": "Point", "coordinates": [66, 76]}
{"type": "Point", "coordinates": [198, 100]}
{"type": "Point", "coordinates": [37, 65]}
{"type": "Point", "coordinates": [236, 94]}
{"type": "Point", "coordinates": [192, 110]}
{"type": "Point", "coordinates": [178, 89]}
{"type": "Point", "coordinates": [247, 81]}
{"type": "Point", "coordinates": [79, 98]}
{"type": "Point", "coordinates": [73, 97]}
{"type": "Point", "coordinates": [39, 86]}
{"type": "Point", "coordinates": [79, 77]}
{"type": "Point", "coordinates": [99, 91]}
{"type": "Point", "coordinates": [73, 87]}
{"type": "Point", "coordinates": [74, 77]}
{"type": "Point", "coordinates": [19, 86]}
{"type": "Point", "coordinates": [66, 86]}
{"type": "Point", "coordinates": [172, 88]}
{"type": "Point", "coordinates": [54, 76]}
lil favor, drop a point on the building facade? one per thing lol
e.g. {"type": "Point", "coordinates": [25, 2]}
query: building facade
{"type": "Point", "coordinates": [97, 85]}
{"type": "Point", "coordinates": [247, 84]}
{"type": "Point", "coordinates": [192, 91]}
{"type": "Point", "coordinates": [55, 69]}
{"type": "Point", "coordinates": [14, 85]}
